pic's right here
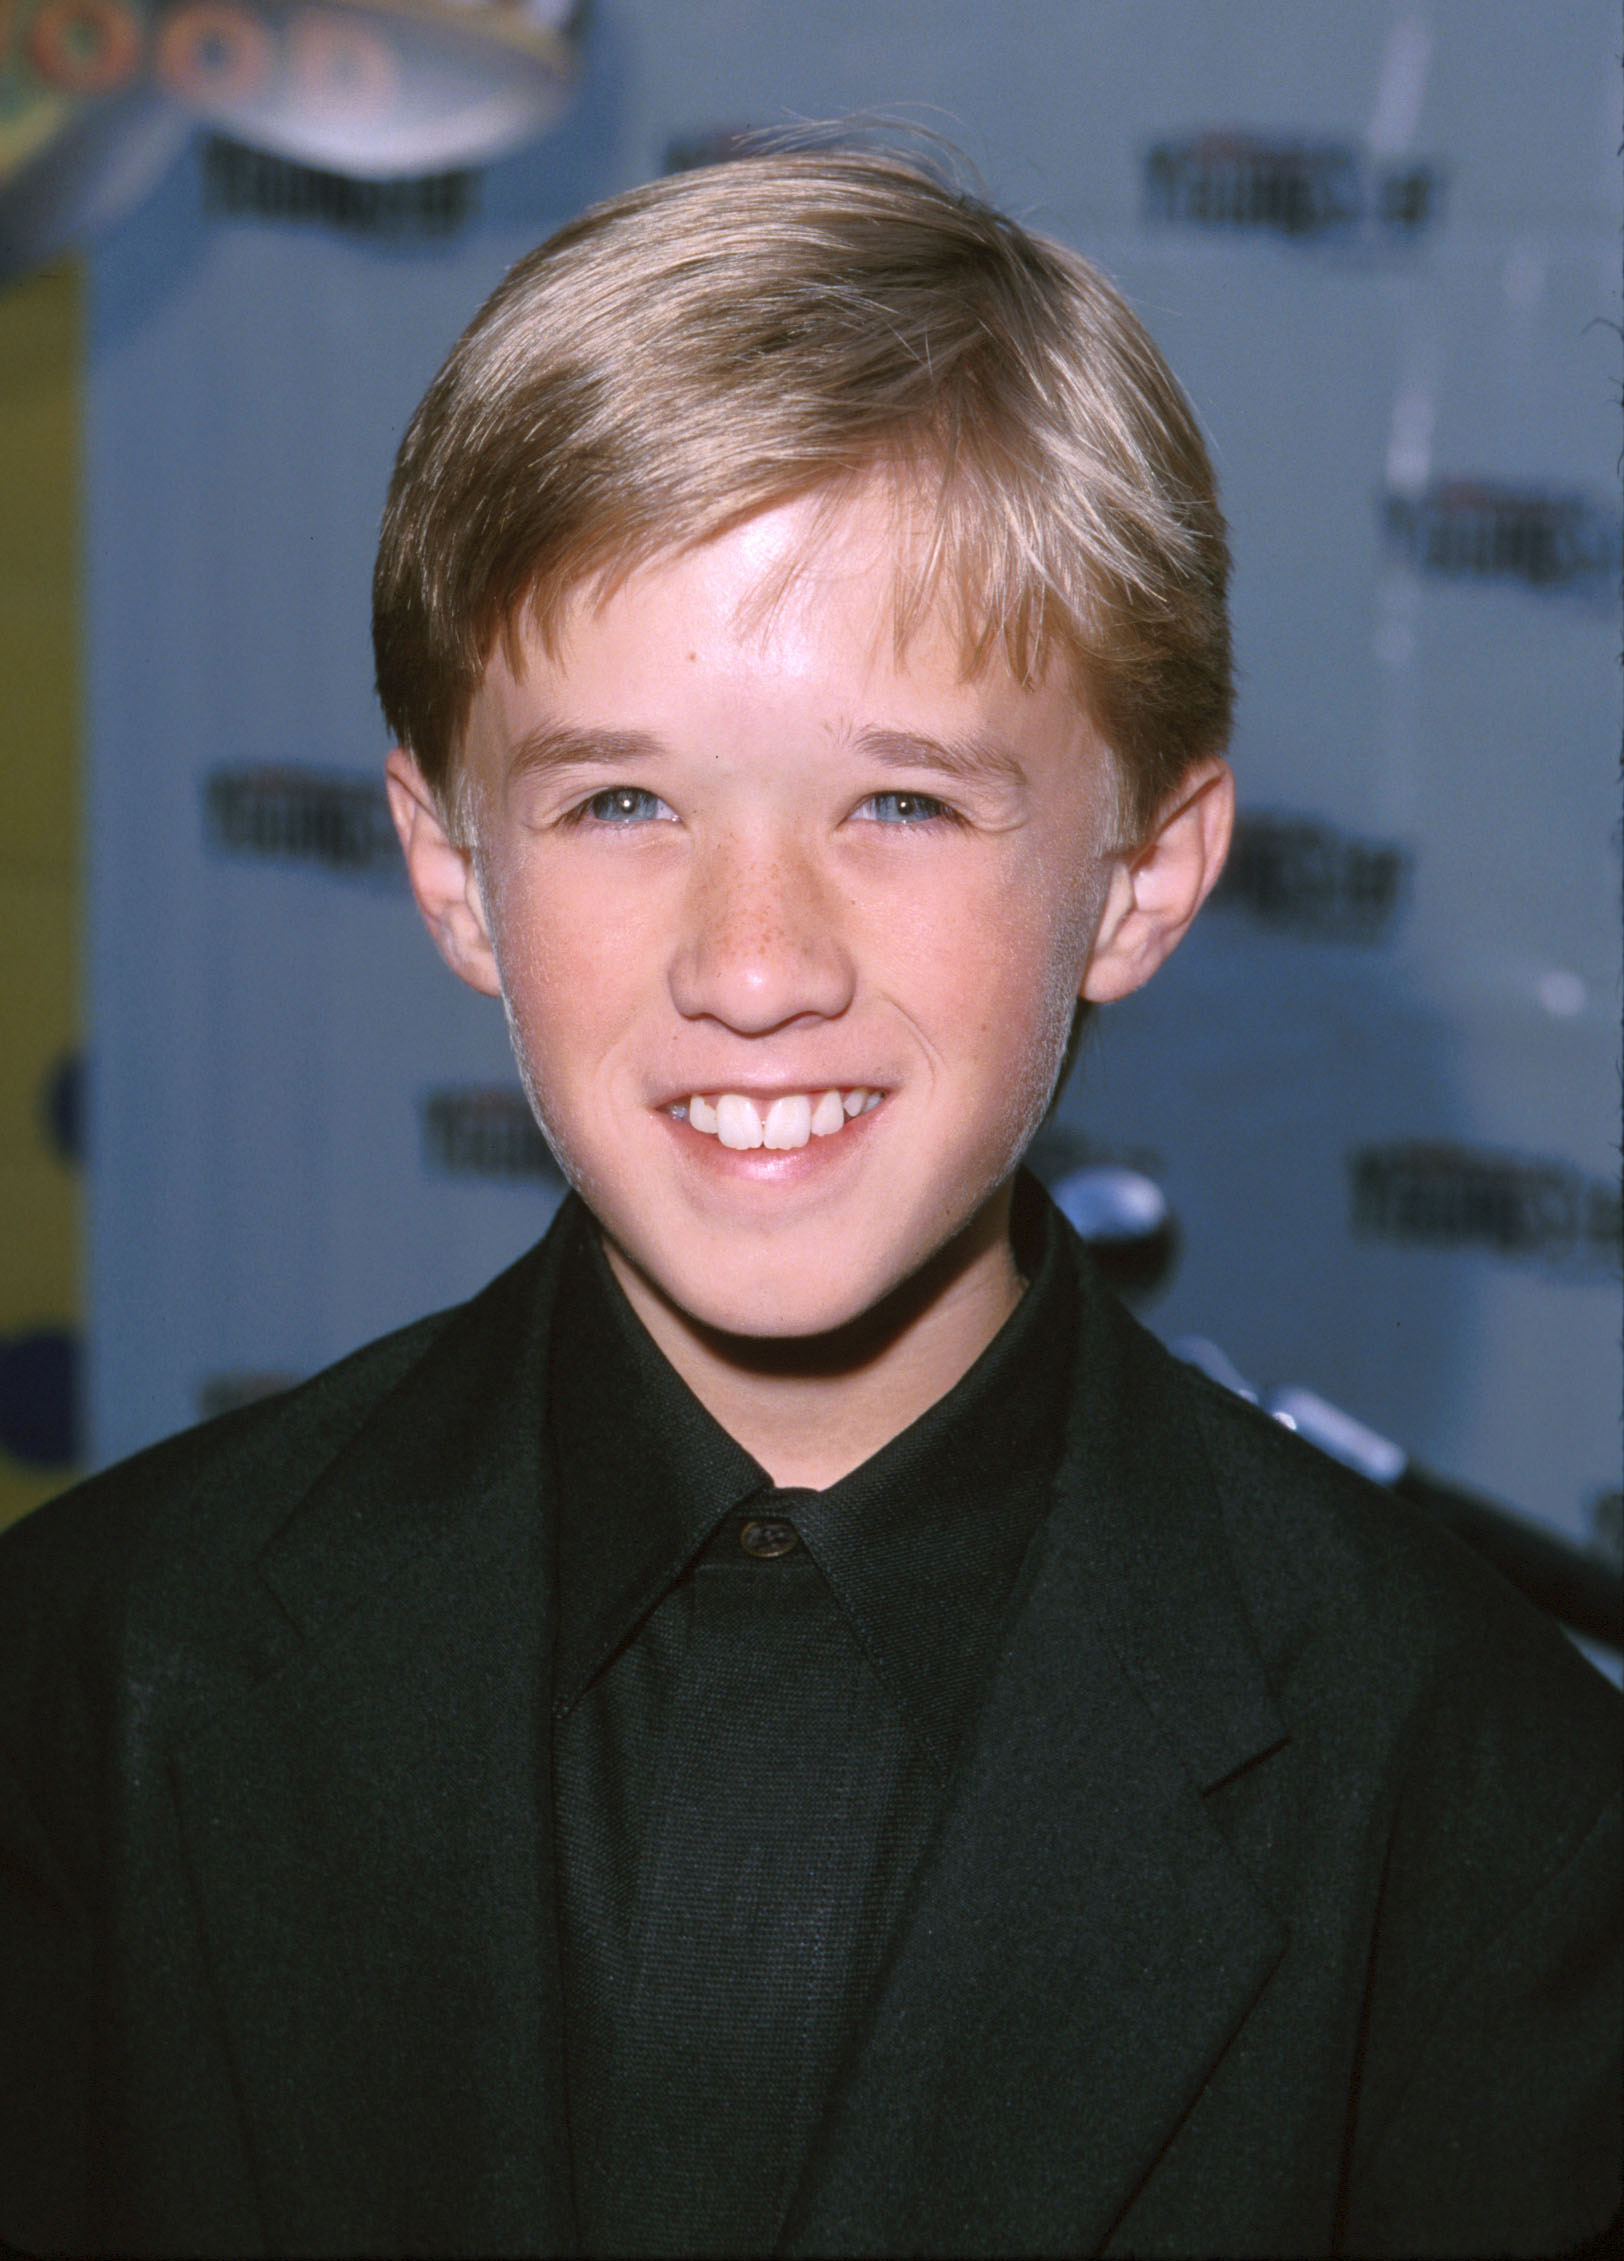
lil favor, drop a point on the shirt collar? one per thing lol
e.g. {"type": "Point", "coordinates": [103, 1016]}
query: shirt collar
{"type": "Point", "coordinates": [921, 1544]}
{"type": "Point", "coordinates": [645, 1473]}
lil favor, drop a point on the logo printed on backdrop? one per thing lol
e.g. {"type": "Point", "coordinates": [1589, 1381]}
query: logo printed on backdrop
{"type": "Point", "coordinates": [1438, 1195]}
{"type": "Point", "coordinates": [1548, 538]}
{"type": "Point", "coordinates": [1306, 878]}
{"type": "Point", "coordinates": [1287, 185]}
{"type": "Point", "coordinates": [484, 1131]}
{"type": "Point", "coordinates": [241, 182]}
{"type": "Point", "coordinates": [280, 812]}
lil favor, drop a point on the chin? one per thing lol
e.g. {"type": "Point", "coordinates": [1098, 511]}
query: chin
{"type": "Point", "coordinates": [781, 1320]}
{"type": "Point", "coordinates": [766, 1302]}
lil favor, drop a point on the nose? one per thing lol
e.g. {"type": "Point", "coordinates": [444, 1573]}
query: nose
{"type": "Point", "coordinates": [763, 944]}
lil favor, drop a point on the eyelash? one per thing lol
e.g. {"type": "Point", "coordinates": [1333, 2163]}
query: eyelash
{"type": "Point", "coordinates": [590, 810]}
{"type": "Point", "coordinates": [925, 808]}
{"type": "Point", "coordinates": [929, 809]}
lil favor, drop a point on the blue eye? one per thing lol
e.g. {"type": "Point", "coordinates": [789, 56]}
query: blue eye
{"type": "Point", "coordinates": [626, 804]}
{"type": "Point", "coordinates": [906, 808]}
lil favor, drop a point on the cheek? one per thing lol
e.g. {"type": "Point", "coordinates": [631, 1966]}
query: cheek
{"type": "Point", "coordinates": [1023, 954]}
{"type": "Point", "coordinates": [563, 1017]}
{"type": "Point", "coordinates": [560, 983]}
{"type": "Point", "coordinates": [1033, 982]}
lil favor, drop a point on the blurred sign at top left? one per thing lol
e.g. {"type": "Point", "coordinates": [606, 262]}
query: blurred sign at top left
{"type": "Point", "coordinates": [97, 96]}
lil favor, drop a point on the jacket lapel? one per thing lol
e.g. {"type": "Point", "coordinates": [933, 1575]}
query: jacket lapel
{"type": "Point", "coordinates": [368, 1822]}
{"type": "Point", "coordinates": [368, 1825]}
{"type": "Point", "coordinates": [1083, 1945]}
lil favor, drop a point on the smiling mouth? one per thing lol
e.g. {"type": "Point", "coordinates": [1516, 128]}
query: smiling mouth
{"type": "Point", "coordinates": [781, 1124]}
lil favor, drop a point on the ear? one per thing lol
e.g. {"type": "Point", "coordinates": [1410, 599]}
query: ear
{"type": "Point", "coordinates": [1157, 887]}
{"type": "Point", "coordinates": [442, 877]}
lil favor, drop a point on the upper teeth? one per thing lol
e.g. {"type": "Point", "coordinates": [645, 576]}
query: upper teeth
{"type": "Point", "coordinates": [788, 1121]}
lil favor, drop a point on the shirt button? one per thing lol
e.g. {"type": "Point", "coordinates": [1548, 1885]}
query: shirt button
{"type": "Point", "coordinates": [767, 1536]}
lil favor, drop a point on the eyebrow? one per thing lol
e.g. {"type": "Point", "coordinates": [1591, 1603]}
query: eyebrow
{"type": "Point", "coordinates": [973, 760]}
{"type": "Point", "coordinates": [561, 745]}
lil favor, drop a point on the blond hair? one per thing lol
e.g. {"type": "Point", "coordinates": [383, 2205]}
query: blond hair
{"type": "Point", "coordinates": [685, 355]}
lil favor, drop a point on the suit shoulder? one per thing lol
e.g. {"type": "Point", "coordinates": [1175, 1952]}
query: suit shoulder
{"type": "Point", "coordinates": [223, 1484]}
{"type": "Point", "coordinates": [182, 1520]}
{"type": "Point", "coordinates": [1317, 1542]}
{"type": "Point", "coordinates": [1365, 1604]}
{"type": "Point", "coordinates": [139, 1601]}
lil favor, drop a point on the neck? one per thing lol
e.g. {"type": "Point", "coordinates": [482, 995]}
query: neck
{"type": "Point", "coordinates": [812, 1408]}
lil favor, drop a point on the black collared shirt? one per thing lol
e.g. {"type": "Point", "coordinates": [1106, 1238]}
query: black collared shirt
{"type": "Point", "coordinates": [759, 1695]}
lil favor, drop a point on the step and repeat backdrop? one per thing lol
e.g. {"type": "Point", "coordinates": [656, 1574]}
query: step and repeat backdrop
{"type": "Point", "coordinates": [1379, 1087]}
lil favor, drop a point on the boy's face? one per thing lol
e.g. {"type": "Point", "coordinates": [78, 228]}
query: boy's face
{"type": "Point", "coordinates": [753, 857]}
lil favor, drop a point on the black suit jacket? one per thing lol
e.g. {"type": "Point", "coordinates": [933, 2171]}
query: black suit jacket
{"type": "Point", "coordinates": [1272, 1912]}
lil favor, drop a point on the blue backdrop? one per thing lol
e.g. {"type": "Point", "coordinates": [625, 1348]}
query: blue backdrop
{"type": "Point", "coordinates": [1380, 1084]}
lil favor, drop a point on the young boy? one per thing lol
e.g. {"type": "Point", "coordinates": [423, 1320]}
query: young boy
{"type": "Point", "coordinates": [789, 1723]}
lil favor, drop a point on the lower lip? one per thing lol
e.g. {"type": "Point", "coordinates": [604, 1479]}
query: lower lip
{"type": "Point", "coordinates": [773, 1166]}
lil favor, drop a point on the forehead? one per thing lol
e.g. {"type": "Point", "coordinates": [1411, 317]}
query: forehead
{"type": "Point", "coordinates": [766, 661]}
{"type": "Point", "coordinates": [819, 595]}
